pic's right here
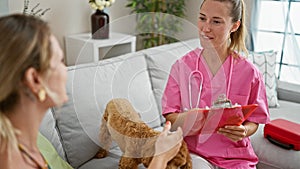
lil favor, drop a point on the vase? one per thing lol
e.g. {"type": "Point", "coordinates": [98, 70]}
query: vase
{"type": "Point", "coordinates": [100, 25]}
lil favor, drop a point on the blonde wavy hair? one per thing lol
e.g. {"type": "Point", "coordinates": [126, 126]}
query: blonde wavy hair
{"type": "Point", "coordinates": [24, 43]}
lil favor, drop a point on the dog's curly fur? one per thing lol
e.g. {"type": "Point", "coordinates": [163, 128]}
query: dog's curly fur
{"type": "Point", "coordinates": [122, 124]}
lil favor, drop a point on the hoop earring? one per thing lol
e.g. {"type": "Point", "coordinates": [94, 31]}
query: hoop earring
{"type": "Point", "coordinates": [42, 95]}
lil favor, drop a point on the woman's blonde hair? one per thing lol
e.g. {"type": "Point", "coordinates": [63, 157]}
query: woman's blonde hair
{"type": "Point", "coordinates": [238, 13]}
{"type": "Point", "coordinates": [24, 43]}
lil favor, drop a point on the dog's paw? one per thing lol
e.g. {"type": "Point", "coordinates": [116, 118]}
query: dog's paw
{"type": "Point", "coordinates": [101, 153]}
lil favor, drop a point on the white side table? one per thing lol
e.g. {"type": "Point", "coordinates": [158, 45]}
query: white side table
{"type": "Point", "coordinates": [81, 48]}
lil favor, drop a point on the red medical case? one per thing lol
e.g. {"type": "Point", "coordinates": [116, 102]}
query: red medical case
{"type": "Point", "coordinates": [283, 133]}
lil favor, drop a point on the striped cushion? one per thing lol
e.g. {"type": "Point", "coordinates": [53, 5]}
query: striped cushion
{"type": "Point", "coordinates": [266, 63]}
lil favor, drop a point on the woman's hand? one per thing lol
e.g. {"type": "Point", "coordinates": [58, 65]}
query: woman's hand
{"type": "Point", "coordinates": [168, 143]}
{"type": "Point", "coordinates": [237, 133]}
{"type": "Point", "coordinates": [166, 147]}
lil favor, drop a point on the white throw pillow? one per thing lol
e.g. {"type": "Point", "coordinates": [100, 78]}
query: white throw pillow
{"type": "Point", "coordinates": [266, 62]}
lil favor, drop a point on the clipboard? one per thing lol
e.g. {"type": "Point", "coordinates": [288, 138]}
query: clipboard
{"type": "Point", "coordinates": [220, 117]}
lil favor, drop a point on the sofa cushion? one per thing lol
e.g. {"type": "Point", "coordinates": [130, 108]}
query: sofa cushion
{"type": "Point", "coordinates": [160, 60]}
{"type": "Point", "coordinates": [104, 163]}
{"type": "Point", "coordinates": [49, 130]}
{"type": "Point", "coordinates": [90, 87]}
{"type": "Point", "coordinates": [288, 91]}
{"type": "Point", "coordinates": [266, 63]}
{"type": "Point", "coordinates": [111, 161]}
{"type": "Point", "coordinates": [78, 146]}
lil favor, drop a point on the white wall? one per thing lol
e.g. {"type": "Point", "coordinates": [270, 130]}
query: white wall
{"type": "Point", "coordinates": [65, 17]}
{"type": "Point", "coordinates": [73, 16]}
{"type": "Point", "coordinates": [3, 7]}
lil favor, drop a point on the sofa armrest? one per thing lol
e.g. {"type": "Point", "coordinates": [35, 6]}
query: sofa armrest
{"type": "Point", "coordinates": [288, 91]}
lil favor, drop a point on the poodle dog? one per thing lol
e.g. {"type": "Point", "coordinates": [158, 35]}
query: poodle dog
{"type": "Point", "coordinates": [122, 124]}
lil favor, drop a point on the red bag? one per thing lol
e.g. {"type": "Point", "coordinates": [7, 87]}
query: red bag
{"type": "Point", "coordinates": [283, 133]}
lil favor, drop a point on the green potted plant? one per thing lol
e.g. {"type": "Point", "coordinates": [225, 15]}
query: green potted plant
{"type": "Point", "coordinates": [158, 21]}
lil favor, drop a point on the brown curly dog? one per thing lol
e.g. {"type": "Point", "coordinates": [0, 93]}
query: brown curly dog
{"type": "Point", "coordinates": [122, 124]}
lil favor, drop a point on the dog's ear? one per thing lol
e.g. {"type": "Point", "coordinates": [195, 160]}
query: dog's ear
{"type": "Point", "coordinates": [104, 134]}
{"type": "Point", "coordinates": [105, 115]}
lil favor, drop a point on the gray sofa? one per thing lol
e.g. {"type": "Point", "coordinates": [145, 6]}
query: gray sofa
{"type": "Point", "coordinates": [140, 77]}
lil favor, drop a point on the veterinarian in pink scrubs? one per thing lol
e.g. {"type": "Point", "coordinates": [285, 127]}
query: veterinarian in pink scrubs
{"type": "Point", "coordinates": [197, 79]}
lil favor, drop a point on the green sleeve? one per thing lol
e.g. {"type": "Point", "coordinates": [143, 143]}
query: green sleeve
{"type": "Point", "coordinates": [50, 154]}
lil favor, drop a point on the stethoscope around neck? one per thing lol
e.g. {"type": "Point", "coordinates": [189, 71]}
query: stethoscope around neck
{"type": "Point", "coordinates": [197, 71]}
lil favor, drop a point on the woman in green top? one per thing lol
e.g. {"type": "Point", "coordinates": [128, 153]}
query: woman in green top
{"type": "Point", "coordinates": [33, 79]}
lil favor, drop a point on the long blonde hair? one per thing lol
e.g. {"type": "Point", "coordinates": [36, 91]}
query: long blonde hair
{"type": "Point", "coordinates": [238, 13]}
{"type": "Point", "coordinates": [24, 43]}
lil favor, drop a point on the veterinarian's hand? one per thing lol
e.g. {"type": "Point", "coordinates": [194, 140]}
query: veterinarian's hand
{"type": "Point", "coordinates": [166, 147]}
{"type": "Point", "coordinates": [234, 133]}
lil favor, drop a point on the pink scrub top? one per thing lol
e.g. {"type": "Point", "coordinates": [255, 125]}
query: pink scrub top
{"type": "Point", "coordinates": [244, 85]}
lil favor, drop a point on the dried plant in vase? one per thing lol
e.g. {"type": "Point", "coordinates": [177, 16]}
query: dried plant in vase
{"type": "Point", "coordinates": [35, 10]}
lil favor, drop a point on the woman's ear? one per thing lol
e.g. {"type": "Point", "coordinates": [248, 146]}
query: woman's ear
{"type": "Point", "coordinates": [235, 26]}
{"type": "Point", "coordinates": [33, 80]}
